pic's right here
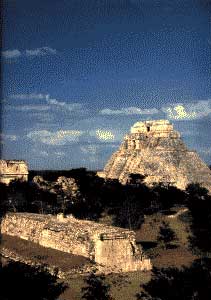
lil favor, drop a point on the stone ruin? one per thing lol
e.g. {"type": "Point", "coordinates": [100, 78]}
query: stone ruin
{"type": "Point", "coordinates": [13, 169]}
{"type": "Point", "coordinates": [67, 184]}
{"type": "Point", "coordinates": [154, 149]}
{"type": "Point", "coordinates": [113, 249]}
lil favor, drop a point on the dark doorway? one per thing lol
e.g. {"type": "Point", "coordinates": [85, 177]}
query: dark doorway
{"type": "Point", "coordinates": [148, 128]}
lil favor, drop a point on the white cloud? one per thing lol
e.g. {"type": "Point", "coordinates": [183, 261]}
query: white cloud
{"type": "Point", "coordinates": [89, 149]}
{"type": "Point", "coordinates": [40, 51]}
{"type": "Point", "coordinates": [178, 112]}
{"type": "Point", "coordinates": [108, 111]}
{"type": "Point", "coordinates": [11, 53]}
{"type": "Point", "coordinates": [175, 111]}
{"type": "Point", "coordinates": [10, 137]}
{"type": "Point", "coordinates": [41, 116]}
{"type": "Point", "coordinates": [31, 107]}
{"type": "Point", "coordinates": [107, 134]}
{"type": "Point", "coordinates": [59, 153]}
{"type": "Point", "coordinates": [60, 137]}
{"type": "Point", "coordinates": [206, 151]}
{"type": "Point", "coordinates": [28, 96]}
{"type": "Point", "coordinates": [129, 111]}
{"type": "Point", "coordinates": [188, 111]}
{"type": "Point", "coordinates": [104, 135]}
{"type": "Point", "coordinates": [187, 132]}
{"type": "Point", "coordinates": [50, 104]}
{"type": "Point", "coordinates": [71, 107]}
{"type": "Point", "coordinates": [43, 153]}
{"type": "Point", "coordinates": [55, 102]}
{"type": "Point", "coordinates": [90, 153]}
{"type": "Point", "coordinates": [37, 152]}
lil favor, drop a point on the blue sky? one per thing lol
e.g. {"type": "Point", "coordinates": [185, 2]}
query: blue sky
{"type": "Point", "coordinates": [78, 74]}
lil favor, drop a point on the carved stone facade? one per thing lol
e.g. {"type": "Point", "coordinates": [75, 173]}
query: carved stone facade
{"type": "Point", "coordinates": [113, 249]}
{"type": "Point", "coordinates": [13, 169]}
{"type": "Point", "coordinates": [156, 150]}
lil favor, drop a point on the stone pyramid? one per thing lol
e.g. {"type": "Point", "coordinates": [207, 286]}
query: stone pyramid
{"type": "Point", "coordinates": [156, 150]}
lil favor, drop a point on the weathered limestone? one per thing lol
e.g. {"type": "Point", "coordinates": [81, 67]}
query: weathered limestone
{"type": "Point", "coordinates": [112, 248]}
{"type": "Point", "coordinates": [67, 185]}
{"type": "Point", "coordinates": [156, 150]}
{"type": "Point", "coordinates": [13, 169]}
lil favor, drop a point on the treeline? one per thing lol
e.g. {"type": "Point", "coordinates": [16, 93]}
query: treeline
{"type": "Point", "coordinates": [52, 175]}
{"type": "Point", "coordinates": [125, 204]}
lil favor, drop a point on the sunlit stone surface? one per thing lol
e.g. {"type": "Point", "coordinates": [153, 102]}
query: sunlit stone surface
{"type": "Point", "coordinates": [13, 169]}
{"type": "Point", "coordinates": [113, 249]}
{"type": "Point", "coordinates": [156, 150]}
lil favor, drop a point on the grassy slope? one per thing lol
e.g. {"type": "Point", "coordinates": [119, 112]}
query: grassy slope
{"type": "Point", "coordinates": [124, 287]}
{"type": "Point", "coordinates": [171, 257]}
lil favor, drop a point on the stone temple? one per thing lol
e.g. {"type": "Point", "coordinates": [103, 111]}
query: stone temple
{"type": "Point", "coordinates": [156, 150]}
{"type": "Point", "coordinates": [13, 169]}
{"type": "Point", "coordinates": [112, 249]}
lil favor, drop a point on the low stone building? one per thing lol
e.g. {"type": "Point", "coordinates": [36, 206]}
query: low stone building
{"type": "Point", "coordinates": [13, 169]}
{"type": "Point", "coordinates": [154, 149]}
{"type": "Point", "coordinates": [113, 249]}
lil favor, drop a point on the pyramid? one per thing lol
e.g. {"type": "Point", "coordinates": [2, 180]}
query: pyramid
{"type": "Point", "coordinates": [154, 149]}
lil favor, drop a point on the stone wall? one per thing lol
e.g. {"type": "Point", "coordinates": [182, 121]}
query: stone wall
{"type": "Point", "coordinates": [156, 150]}
{"type": "Point", "coordinates": [13, 169]}
{"type": "Point", "coordinates": [112, 248]}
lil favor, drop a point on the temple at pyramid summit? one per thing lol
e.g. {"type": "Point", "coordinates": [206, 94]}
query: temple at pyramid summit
{"type": "Point", "coordinates": [154, 149]}
{"type": "Point", "coordinates": [13, 170]}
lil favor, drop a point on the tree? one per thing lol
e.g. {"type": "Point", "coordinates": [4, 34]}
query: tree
{"type": "Point", "coordinates": [4, 198]}
{"type": "Point", "coordinates": [199, 204]}
{"type": "Point", "coordinates": [96, 288]}
{"type": "Point", "coordinates": [168, 196]}
{"type": "Point", "coordinates": [130, 214]}
{"type": "Point", "coordinates": [192, 283]}
{"type": "Point", "coordinates": [20, 281]}
{"type": "Point", "coordinates": [143, 296]}
{"type": "Point", "coordinates": [166, 234]}
{"type": "Point", "coordinates": [136, 179]}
